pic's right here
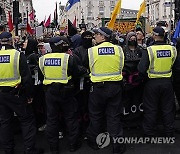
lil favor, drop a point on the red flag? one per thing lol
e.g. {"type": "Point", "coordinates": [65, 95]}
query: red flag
{"type": "Point", "coordinates": [31, 15]}
{"type": "Point", "coordinates": [28, 28]}
{"type": "Point", "coordinates": [74, 22]}
{"type": "Point", "coordinates": [10, 23]}
{"type": "Point", "coordinates": [48, 21]}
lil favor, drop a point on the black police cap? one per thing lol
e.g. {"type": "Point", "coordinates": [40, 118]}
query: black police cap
{"type": "Point", "coordinates": [58, 40]}
{"type": "Point", "coordinates": [104, 31]}
{"type": "Point", "coordinates": [5, 36]}
{"type": "Point", "coordinates": [159, 31]}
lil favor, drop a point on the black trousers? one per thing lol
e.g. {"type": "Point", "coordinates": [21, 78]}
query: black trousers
{"type": "Point", "coordinates": [8, 105]}
{"type": "Point", "coordinates": [176, 86]}
{"type": "Point", "coordinates": [105, 101]}
{"type": "Point", "coordinates": [39, 105]}
{"type": "Point", "coordinates": [158, 99]}
{"type": "Point", "coordinates": [82, 98]}
{"type": "Point", "coordinates": [57, 98]}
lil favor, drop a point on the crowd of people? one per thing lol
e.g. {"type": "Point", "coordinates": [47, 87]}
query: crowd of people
{"type": "Point", "coordinates": [77, 85]}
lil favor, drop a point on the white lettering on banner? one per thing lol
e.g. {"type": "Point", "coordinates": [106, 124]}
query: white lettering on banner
{"type": "Point", "coordinates": [133, 109]}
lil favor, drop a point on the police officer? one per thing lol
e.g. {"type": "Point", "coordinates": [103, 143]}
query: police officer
{"type": "Point", "coordinates": [106, 62]}
{"type": "Point", "coordinates": [59, 69]}
{"type": "Point", "coordinates": [158, 62]}
{"type": "Point", "coordinates": [15, 96]}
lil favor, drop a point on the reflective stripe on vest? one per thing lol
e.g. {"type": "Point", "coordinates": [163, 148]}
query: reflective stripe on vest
{"type": "Point", "coordinates": [92, 61]}
{"type": "Point", "coordinates": [14, 78]}
{"type": "Point", "coordinates": [152, 59]}
{"type": "Point", "coordinates": [64, 78]}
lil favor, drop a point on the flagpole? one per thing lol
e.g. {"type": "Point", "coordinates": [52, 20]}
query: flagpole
{"type": "Point", "coordinates": [16, 24]}
{"type": "Point", "coordinates": [170, 21]}
{"type": "Point", "coordinates": [27, 14]}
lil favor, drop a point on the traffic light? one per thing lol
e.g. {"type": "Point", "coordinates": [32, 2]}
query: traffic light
{"type": "Point", "coordinates": [15, 12]}
{"type": "Point", "coordinates": [177, 9]}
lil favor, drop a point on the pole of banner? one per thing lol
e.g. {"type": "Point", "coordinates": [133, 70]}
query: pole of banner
{"type": "Point", "coordinates": [34, 26]}
{"type": "Point", "coordinates": [27, 16]}
{"type": "Point", "coordinates": [170, 22]}
{"type": "Point", "coordinates": [16, 17]}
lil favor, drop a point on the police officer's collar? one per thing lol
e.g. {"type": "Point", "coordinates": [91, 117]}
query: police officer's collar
{"type": "Point", "coordinates": [58, 43]}
{"type": "Point", "coordinates": [6, 47]}
{"type": "Point", "coordinates": [159, 43]}
{"type": "Point", "coordinates": [101, 42]}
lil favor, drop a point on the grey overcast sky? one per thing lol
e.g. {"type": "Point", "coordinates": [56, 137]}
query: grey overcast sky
{"type": "Point", "coordinates": [46, 7]}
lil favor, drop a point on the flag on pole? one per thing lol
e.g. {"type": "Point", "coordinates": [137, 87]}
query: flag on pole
{"type": "Point", "coordinates": [71, 29]}
{"type": "Point", "coordinates": [32, 15]}
{"type": "Point", "coordinates": [41, 23]}
{"type": "Point", "coordinates": [74, 22]}
{"type": "Point", "coordinates": [48, 21]}
{"type": "Point", "coordinates": [115, 12]}
{"type": "Point", "coordinates": [141, 10]}
{"type": "Point", "coordinates": [10, 23]}
{"type": "Point", "coordinates": [70, 3]}
{"type": "Point", "coordinates": [56, 16]}
{"type": "Point", "coordinates": [29, 29]}
{"type": "Point", "coordinates": [176, 33]}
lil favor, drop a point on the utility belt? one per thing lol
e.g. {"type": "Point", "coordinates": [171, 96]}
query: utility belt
{"type": "Point", "coordinates": [9, 90]}
{"type": "Point", "coordinates": [60, 86]}
{"type": "Point", "coordinates": [102, 84]}
{"type": "Point", "coordinates": [64, 90]}
{"type": "Point", "coordinates": [160, 78]}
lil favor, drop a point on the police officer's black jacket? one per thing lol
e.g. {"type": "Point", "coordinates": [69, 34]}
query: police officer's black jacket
{"type": "Point", "coordinates": [144, 62]}
{"type": "Point", "coordinates": [82, 53]}
{"type": "Point", "coordinates": [75, 68]}
{"type": "Point", "coordinates": [26, 82]}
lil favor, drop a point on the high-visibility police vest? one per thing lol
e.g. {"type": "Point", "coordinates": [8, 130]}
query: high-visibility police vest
{"type": "Point", "coordinates": [54, 67]}
{"type": "Point", "coordinates": [161, 59]}
{"type": "Point", "coordinates": [106, 62]}
{"type": "Point", "coordinates": [9, 68]}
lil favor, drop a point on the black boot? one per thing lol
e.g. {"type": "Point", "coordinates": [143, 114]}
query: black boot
{"type": "Point", "coordinates": [34, 151]}
{"type": "Point", "coordinates": [119, 148]}
{"type": "Point", "coordinates": [74, 147]}
{"type": "Point", "coordinates": [54, 150]}
{"type": "Point", "coordinates": [10, 151]}
{"type": "Point", "coordinates": [92, 145]}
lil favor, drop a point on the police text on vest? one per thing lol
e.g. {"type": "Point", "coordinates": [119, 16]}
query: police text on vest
{"type": "Point", "coordinates": [106, 51]}
{"type": "Point", "coordinates": [52, 62]}
{"type": "Point", "coordinates": [5, 59]}
{"type": "Point", "coordinates": [163, 53]}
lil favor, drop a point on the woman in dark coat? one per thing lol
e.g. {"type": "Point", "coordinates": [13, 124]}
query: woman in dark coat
{"type": "Point", "coordinates": [31, 52]}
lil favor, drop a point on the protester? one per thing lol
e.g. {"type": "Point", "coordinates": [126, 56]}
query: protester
{"type": "Point", "coordinates": [31, 52]}
{"type": "Point", "coordinates": [176, 78]}
{"type": "Point", "coordinates": [133, 87]}
{"type": "Point", "coordinates": [140, 38]}
{"type": "Point", "coordinates": [84, 82]}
